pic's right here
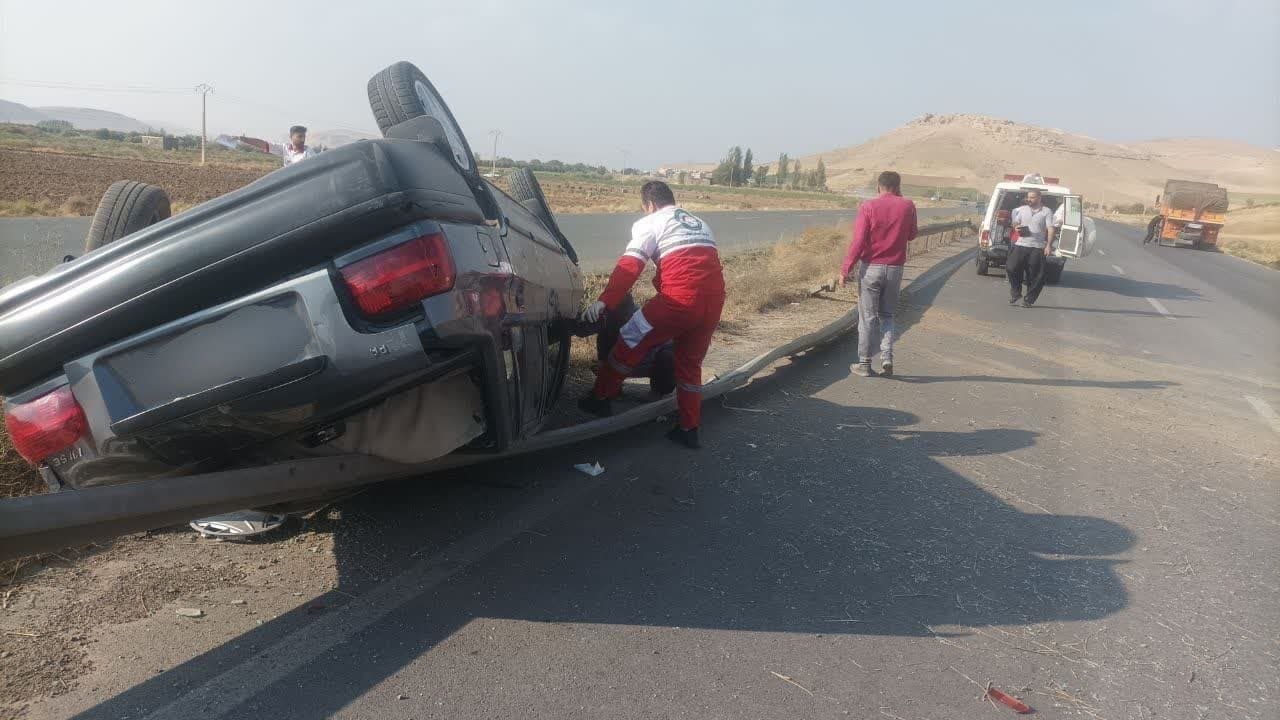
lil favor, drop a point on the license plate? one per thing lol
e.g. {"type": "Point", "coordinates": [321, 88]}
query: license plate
{"type": "Point", "coordinates": [247, 342]}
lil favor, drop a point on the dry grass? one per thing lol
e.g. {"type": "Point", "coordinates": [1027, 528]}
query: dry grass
{"type": "Point", "coordinates": [24, 207]}
{"type": "Point", "coordinates": [17, 477]}
{"type": "Point", "coordinates": [764, 280]}
{"type": "Point", "coordinates": [78, 205]}
{"type": "Point", "coordinates": [1253, 234]}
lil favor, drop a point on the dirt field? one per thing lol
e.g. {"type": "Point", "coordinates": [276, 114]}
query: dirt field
{"type": "Point", "coordinates": [51, 183]}
{"type": "Point", "coordinates": [569, 195]}
{"type": "Point", "coordinates": [56, 178]}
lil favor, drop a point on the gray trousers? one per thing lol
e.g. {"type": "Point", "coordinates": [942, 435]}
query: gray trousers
{"type": "Point", "coordinates": [877, 301]}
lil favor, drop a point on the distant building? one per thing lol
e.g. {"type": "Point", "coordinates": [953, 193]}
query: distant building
{"type": "Point", "coordinates": [153, 140]}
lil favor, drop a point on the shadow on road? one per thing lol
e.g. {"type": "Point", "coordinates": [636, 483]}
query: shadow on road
{"type": "Point", "coordinates": [1043, 382]}
{"type": "Point", "coordinates": [1134, 313]}
{"type": "Point", "coordinates": [1126, 286]}
{"type": "Point", "coordinates": [846, 523]}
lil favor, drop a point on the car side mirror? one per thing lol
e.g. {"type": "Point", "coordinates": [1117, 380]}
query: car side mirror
{"type": "Point", "coordinates": [422, 128]}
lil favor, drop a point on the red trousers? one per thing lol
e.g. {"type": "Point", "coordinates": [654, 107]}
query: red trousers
{"type": "Point", "coordinates": [689, 322]}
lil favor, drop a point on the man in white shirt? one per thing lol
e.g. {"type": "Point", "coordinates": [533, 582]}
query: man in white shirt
{"type": "Point", "coordinates": [1034, 223]}
{"type": "Point", "coordinates": [296, 150]}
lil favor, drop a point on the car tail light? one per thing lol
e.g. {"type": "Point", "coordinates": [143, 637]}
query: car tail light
{"type": "Point", "coordinates": [985, 239]}
{"type": "Point", "coordinates": [398, 278]}
{"type": "Point", "coordinates": [47, 425]}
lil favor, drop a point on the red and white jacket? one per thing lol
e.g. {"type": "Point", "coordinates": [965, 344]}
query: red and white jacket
{"type": "Point", "coordinates": [682, 247]}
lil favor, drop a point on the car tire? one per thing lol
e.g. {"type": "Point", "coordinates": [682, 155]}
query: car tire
{"type": "Point", "coordinates": [526, 191]}
{"type": "Point", "coordinates": [983, 265]}
{"type": "Point", "coordinates": [126, 207]}
{"type": "Point", "coordinates": [400, 92]}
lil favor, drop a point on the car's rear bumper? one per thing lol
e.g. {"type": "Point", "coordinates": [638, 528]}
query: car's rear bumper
{"type": "Point", "coordinates": [280, 364]}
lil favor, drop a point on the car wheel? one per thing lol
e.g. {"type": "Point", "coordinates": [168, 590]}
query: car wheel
{"type": "Point", "coordinates": [526, 190]}
{"type": "Point", "coordinates": [983, 265]}
{"type": "Point", "coordinates": [126, 207]}
{"type": "Point", "coordinates": [402, 91]}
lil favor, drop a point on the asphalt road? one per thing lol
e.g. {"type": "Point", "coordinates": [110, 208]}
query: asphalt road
{"type": "Point", "coordinates": [31, 246]}
{"type": "Point", "coordinates": [1076, 502]}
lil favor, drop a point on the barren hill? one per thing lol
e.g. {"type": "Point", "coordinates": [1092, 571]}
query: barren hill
{"type": "Point", "coordinates": [975, 151]}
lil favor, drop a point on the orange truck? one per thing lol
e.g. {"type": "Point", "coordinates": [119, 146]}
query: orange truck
{"type": "Point", "coordinates": [1190, 213]}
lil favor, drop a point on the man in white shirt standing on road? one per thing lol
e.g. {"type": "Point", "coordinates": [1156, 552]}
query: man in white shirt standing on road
{"type": "Point", "coordinates": [297, 149]}
{"type": "Point", "coordinates": [1034, 223]}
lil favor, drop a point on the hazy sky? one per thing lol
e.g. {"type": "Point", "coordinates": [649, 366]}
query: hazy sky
{"type": "Point", "coordinates": [665, 81]}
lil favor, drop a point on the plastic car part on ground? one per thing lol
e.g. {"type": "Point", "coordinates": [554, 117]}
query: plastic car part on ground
{"type": "Point", "coordinates": [239, 524]}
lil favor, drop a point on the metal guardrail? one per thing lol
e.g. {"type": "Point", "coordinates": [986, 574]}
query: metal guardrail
{"type": "Point", "coordinates": [938, 234]}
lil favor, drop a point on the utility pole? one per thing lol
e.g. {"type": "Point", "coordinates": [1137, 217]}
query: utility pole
{"type": "Point", "coordinates": [625, 154]}
{"type": "Point", "coordinates": [204, 89]}
{"type": "Point", "coordinates": [496, 134]}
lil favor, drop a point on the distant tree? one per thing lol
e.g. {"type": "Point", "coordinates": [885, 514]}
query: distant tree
{"type": "Point", "coordinates": [796, 175]}
{"type": "Point", "coordinates": [784, 168]}
{"type": "Point", "coordinates": [682, 177]}
{"type": "Point", "coordinates": [762, 175]}
{"type": "Point", "coordinates": [744, 170]}
{"type": "Point", "coordinates": [726, 173]}
{"type": "Point", "coordinates": [820, 176]}
{"type": "Point", "coordinates": [1248, 202]}
{"type": "Point", "coordinates": [55, 126]}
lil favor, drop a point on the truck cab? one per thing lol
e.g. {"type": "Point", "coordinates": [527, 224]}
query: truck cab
{"type": "Point", "coordinates": [994, 241]}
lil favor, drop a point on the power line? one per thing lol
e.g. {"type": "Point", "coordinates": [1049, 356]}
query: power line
{"type": "Point", "coordinates": [56, 85]}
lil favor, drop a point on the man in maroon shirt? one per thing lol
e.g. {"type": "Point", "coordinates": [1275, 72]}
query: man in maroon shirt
{"type": "Point", "coordinates": [884, 226]}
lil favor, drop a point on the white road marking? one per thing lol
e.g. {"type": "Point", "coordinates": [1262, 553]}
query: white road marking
{"type": "Point", "coordinates": [1265, 412]}
{"type": "Point", "coordinates": [1160, 307]}
{"type": "Point", "coordinates": [1101, 251]}
{"type": "Point", "coordinates": [1118, 269]}
{"type": "Point", "coordinates": [242, 681]}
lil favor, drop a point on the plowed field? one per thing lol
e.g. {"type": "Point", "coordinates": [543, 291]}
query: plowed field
{"type": "Point", "coordinates": [56, 177]}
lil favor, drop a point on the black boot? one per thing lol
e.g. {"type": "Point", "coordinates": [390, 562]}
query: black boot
{"type": "Point", "coordinates": [687, 438]}
{"type": "Point", "coordinates": [600, 407]}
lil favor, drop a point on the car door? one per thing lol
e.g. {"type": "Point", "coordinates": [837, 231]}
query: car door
{"type": "Point", "coordinates": [1070, 237]}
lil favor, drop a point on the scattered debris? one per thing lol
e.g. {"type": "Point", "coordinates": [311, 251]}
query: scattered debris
{"type": "Point", "coordinates": [239, 601]}
{"type": "Point", "coordinates": [786, 678]}
{"type": "Point", "coordinates": [592, 469]}
{"type": "Point", "coordinates": [190, 612]}
{"type": "Point", "coordinates": [1018, 706]}
{"type": "Point", "coordinates": [402, 696]}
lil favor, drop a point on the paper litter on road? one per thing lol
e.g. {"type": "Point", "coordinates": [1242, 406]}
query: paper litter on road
{"type": "Point", "coordinates": [592, 469]}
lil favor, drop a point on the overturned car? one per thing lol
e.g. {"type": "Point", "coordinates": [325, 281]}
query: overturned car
{"type": "Point", "coordinates": [380, 300]}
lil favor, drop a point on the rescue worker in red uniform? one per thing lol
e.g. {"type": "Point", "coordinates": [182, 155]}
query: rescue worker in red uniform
{"type": "Point", "coordinates": [686, 310]}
